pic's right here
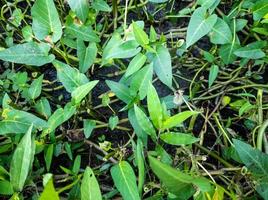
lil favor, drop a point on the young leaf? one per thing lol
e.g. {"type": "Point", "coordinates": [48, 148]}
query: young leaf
{"type": "Point", "coordinates": [135, 64]}
{"type": "Point", "coordinates": [77, 165]}
{"type": "Point", "coordinates": [43, 107]}
{"type": "Point", "coordinates": [35, 88]}
{"type": "Point", "coordinates": [101, 5]}
{"type": "Point", "coordinates": [49, 155]}
{"type": "Point", "coordinates": [144, 122]}
{"type": "Point", "coordinates": [46, 22]}
{"type": "Point", "coordinates": [113, 121]}
{"type": "Point", "coordinates": [30, 53]}
{"type": "Point", "coordinates": [21, 161]}
{"type": "Point", "coordinates": [80, 92]}
{"type": "Point", "coordinates": [125, 180]}
{"type": "Point", "coordinates": [89, 125]}
{"type": "Point", "coordinates": [80, 7]}
{"type": "Point", "coordinates": [178, 138]}
{"type": "Point", "coordinates": [154, 106]}
{"type": "Point", "coordinates": [178, 119]}
{"type": "Point", "coordinates": [140, 36]}
{"type": "Point", "coordinates": [162, 65]}
{"type": "Point", "coordinates": [199, 26]}
{"type": "Point", "coordinates": [220, 33]}
{"type": "Point", "coordinates": [49, 191]}
{"type": "Point", "coordinates": [90, 189]}
{"type": "Point", "coordinates": [213, 73]}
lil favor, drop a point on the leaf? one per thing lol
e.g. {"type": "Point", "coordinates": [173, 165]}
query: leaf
{"type": "Point", "coordinates": [213, 73]}
{"type": "Point", "coordinates": [90, 189]}
{"type": "Point", "coordinates": [120, 90]}
{"type": "Point", "coordinates": [101, 5]}
{"type": "Point", "coordinates": [46, 22]}
{"type": "Point", "coordinates": [49, 155]}
{"type": "Point", "coordinates": [86, 55]}
{"type": "Point", "coordinates": [6, 188]}
{"type": "Point", "coordinates": [125, 180]}
{"type": "Point", "coordinates": [21, 161]}
{"type": "Point", "coordinates": [49, 192]}
{"type": "Point", "coordinates": [135, 64]}
{"type": "Point", "coordinates": [220, 33]}
{"type": "Point", "coordinates": [76, 165]}
{"type": "Point", "coordinates": [80, 92]}
{"type": "Point", "coordinates": [80, 7]}
{"type": "Point", "coordinates": [199, 26]}
{"type": "Point", "coordinates": [206, 3]}
{"type": "Point", "coordinates": [134, 123]}
{"type": "Point", "coordinates": [260, 9]}
{"type": "Point", "coordinates": [140, 36]}
{"type": "Point", "coordinates": [36, 87]}
{"type": "Point", "coordinates": [30, 53]}
{"type": "Point", "coordinates": [251, 51]}
{"type": "Point", "coordinates": [113, 121]}
{"type": "Point", "coordinates": [178, 119]}
{"type": "Point", "coordinates": [144, 122]}
{"type": "Point", "coordinates": [255, 160]}
{"type": "Point", "coordinates": [89, 125]}
{"type": "Point", "coordinates": [139, 157]}
{"type": "Point", "coordinates": [43, 107]}
{"type": "Point", "coordinates": [226, 52]}
{"type": "Point", "coordinates": [154, 106]}
{"type": "Point", "coordinates": [70, 77]}
{"type": "Point", "coordinates": [162, 65]}
{"type": "Point", "coordinates": [178, 138]}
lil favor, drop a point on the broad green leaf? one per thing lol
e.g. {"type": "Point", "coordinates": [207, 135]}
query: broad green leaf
{"type": "Point", "coordinates": [140, 36]}
{"type": "Point", "coordinates": [260, 9]}
{"type": "Point", "coordinates": [141, 79]}
{"type": "Point", "coordinates": [43, 107]}
{"type": "Point", "coordinates": [89, 125]}
{"type": "Point", "coordinates": [6, 188]}
{"type": "Point", "coordinates": [154, 106]}
{"type": "Point", "coordinates": [134, 123]}
{"type": "Point", "coordinates": [220, 33]}
{"type": "Point", "coordinates": [139, 157]}
{"type": "Point", "coordinates": [48, 155]}
{"type": "Point", "coordinates": [86, 55]}
{"type": "Point", "coordinates": [70, 77]}
{"type": "Point", "coordinates": [113, 121]}
{"type": "Point", "coordinates": [262, 189]}
{"type": "Point", "coordinates": [206, 3]}
{"type": "Point", "coordinates": [17, 121]}
{"type": "Point", "coordinates": [178, 119]}
{"type": "Point", "coordinates": [113, 42]}
{"type": "Point", "coordinates": [49, 191]}
{"type": "Point", "coordinates": [125, 180]}
{"type": "Point", "coordinates": [90, 189]}
{"type": "Point", "coordinates": [36, 87]}
{"type": "Point", "coordinates": [76, 165]}
{"type": "Point", "coordinates": [144, 122]}
{"type": "Point", "coordinates": [255, 160]}
{"type": "Point", "coordinates": [178, 138]}
{"type": "Point", "coordinates": [162, 65]}
{"type": "Point", "coordinates": [80, 92]}
{"type": "Point", "coordinates": [213, 73]}
{"type": "Point", "coordinates": [226, 52]}
{"type": "Point", "coordinates": [46, 22]}
{"type": "Point", "coordinates": [21, 161]}
{"type": "Point", "coordinates": [120, 90]}
{"type": "Point", "coordinates": [251, 51]}
{"type": "Point", "coordinates": [101, 5]}
{"type": "Point", "coordinates": [199, 26]}
{"type": "Point", "coordinates": [30, 53]}
{"type": "Point", "coordinates": [27, 33]}
{"type": "Point", "coordinates": [80, 7]}
{"type": "Point", "coordinates": [135, 64]}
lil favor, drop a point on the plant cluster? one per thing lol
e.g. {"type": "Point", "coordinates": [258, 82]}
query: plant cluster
{"type": "Point", "coordinates": [149, 99]}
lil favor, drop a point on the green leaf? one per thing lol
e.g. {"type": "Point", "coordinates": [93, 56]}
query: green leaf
{"type": "Point", "coordinates": [6, 188]}
{"type": "Point", "coordinates": [134, 123]}
{"type": "Point", "coordinates": [125, 180]}
{"type": "Point", "coordinates": [21, 161]}
{"type": "Point", "coordinates": [80, 92]}
{"type": "Point", "coordinates": [154, 106]}
{"type": "Point", "coordinates": [135, 64]}
{"type": "Point", "coordinates": [255, 160]}
{"type": "Point", "coordinates": [260, 9]}
{"type": "Point", "coordinates": [206, 3]}
{"type": "Point", "coordinates": [77, 165]}
{"type": "Point", "coordinates": [30, 53]}
{"type": "Point", "coordinates": [162, 65]}
{"type": "Point", "coordinates": [178, 119]}
{"type": "Point", "coordinates": [101, 5]}
{"type": "Point", "coordinates": [139, 157]}
{"type": "Point", "coordinates": [46, 22]}
{"type": "Point", "coordinates": [120, 90]}
{"type": "Point", "coordinates": [113, 121]}
{"type": "Point", "coordinates": [49, 155]}
{"type": "Point", "coordinates": [220, 33]}
{"type": "Point", "coordinates": [251, 51]}
{"type": "Point", "coordinates": [36, 87]}
{"type": "Point", "coordinates": [86, 55]}
{"type": "Point", "coordinates": [140, 36]}
{"type": "Point", "coordinates": [43, 107]}
{"type": "Point", "coordinates": [90, 189]}
{"type": "Point", "coordinates": [70, 77]}
{"type": "Point", "coordinates": [226, 52]}
{"type": "Point", "coordinates": [178, 138]}
{"type": "Point", "coordinates": [89, 125]}
{"type": "Point", "coordinates": [80, 7]}
{"type": "Point", "coordinates": [213, 73]}
{"type": "Point", "coordinates": [199, 26]}
{"type": "Point", "coordinates": [144, 122]}
{"type": "Point", "coordinates": [49, 191]}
